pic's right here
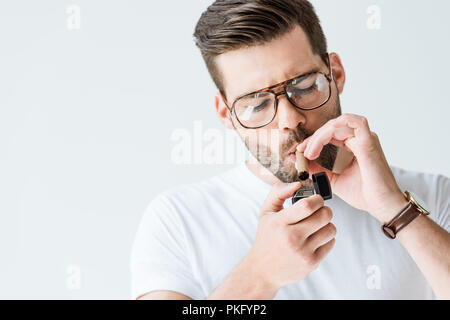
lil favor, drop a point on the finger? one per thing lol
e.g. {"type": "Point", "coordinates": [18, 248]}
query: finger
{"type": "Point", "coordinates": [316, 221]}
{"type": "Point", "coordinates": [321, 236]}
{"type": "Point", "coordinates": [338, 143]}
{"type": "Point", "coordinates": [328, 133]}
{"type": "Point", "coordinates": [278, 195]}
{"type": "Point", "coordinates": [356, 122]}
{"type": "Point", "coordinates": [302, 146]}
{"type": "Point", "coordinates": [303, 209]}
{"type": "Point", "coordinates": [322, 251]}
{"type": "Point", "coordinates": [342, 128]}
{"type": "Point", "coordinates": [363, 139]}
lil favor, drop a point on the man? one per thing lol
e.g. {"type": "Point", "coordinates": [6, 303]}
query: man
{"type": "Point", "coordinates": [236, 236]}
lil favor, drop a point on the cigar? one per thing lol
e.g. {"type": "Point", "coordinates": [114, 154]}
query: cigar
{"type": "Point", "coordinates": [301, 164]}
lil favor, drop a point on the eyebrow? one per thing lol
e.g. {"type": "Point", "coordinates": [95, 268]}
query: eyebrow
{"type": "Point", "coordinates": [312, 70]}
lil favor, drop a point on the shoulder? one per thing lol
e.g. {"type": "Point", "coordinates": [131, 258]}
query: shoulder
{"type": "Point", "coordinates": [421, 183]}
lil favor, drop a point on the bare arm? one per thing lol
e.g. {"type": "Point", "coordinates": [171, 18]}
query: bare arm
{"type": "Point", "coordinates": [426, 242]}
{"type": "Point", "coordinates": [368, 184]}
{"type": "Point", "coordinates": [241, 284]}
{"type": "Point", "coordinates": [164, 295]}
{"type": "Point", "coordinates": [429, 246]}
{"type": "Point", "coordinates": [289, 244]}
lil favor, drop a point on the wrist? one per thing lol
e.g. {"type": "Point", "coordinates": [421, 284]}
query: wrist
{"type": "Point", "coordinates": [392, 207]}
{"type": "Point", "coordinates": [244, 283]}
{"type": "Point", "coordinates": [261, 286]}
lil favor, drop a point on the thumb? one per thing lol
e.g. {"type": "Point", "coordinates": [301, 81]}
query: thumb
{"type": "Point", "coordinates": [279, 193]}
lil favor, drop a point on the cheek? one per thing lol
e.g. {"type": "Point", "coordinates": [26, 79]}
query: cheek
{"type": "Point", "coordinates": [271, 139]}
{"type": "Point", "coordinates": [317, 118]}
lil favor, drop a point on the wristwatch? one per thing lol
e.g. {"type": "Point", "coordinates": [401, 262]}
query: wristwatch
{"type": "Point", "coordinates": [414, 208]}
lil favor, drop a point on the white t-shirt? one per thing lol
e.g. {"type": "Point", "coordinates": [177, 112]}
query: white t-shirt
{"type": "Point", "coordinates": [191, 237]}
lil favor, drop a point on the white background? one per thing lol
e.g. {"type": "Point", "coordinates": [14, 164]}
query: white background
{"type": "Point", "coordinates": [86, 119]}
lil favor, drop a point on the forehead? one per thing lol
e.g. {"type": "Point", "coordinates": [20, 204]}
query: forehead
{"type": "Point", "coordinates": [249, 69]}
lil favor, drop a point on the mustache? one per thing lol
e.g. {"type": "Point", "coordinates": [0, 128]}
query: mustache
{"type": "Point", "coordinates": [295, 137]}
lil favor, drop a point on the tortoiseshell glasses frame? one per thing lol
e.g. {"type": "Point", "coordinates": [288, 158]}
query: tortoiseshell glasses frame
{"type": "Point", "coordinates": [279, 89]}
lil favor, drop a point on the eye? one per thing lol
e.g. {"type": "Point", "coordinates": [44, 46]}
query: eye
{"type": "Point", "coordinates": [259, 107]}
{"type": "Point", "coordinates": [304, 86]}
{"type": "Point", "coordinates": [305, 81]}
{"type": "Point", "coordinates": [246, 113]}
{"type": "Point", "coordinates": [294, 91]}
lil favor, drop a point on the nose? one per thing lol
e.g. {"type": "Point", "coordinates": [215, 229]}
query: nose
{"type": "Point", "coordinates": [288, 116]}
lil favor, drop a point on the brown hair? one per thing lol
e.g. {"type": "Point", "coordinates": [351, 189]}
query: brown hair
{"type": "Point", "coordinates": [233, 24]}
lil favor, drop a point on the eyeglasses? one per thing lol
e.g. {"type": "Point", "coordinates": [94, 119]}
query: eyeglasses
{"type": "Point", "coordinates": [306, 92]}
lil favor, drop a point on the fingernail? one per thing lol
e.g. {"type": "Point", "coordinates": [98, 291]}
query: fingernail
{"type": "Point", "coordinates": [307, 152]}
{"type": "Point", "coordinates": [301, 146]}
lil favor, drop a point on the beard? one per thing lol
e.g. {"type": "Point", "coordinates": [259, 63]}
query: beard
{"type": "Point", "coordinates": [278, 163]}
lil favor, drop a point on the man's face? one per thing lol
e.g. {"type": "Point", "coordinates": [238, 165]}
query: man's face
{"type": "Point", "coordinates": [250, 69]}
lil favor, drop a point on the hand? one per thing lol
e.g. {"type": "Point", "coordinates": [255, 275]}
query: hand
{"type": "Point", "coordinates": [367, 183]}
{"type": "Point", "coordinates": [290, 243]}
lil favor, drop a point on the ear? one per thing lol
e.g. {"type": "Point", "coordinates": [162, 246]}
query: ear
{"type": "Point", "coordinates": [222, 111]}
{"type": "Point", "coordinates": [338, 71]}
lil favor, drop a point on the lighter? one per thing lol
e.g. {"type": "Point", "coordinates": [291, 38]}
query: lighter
{"type": "Point", "coordinates": [319, 184]}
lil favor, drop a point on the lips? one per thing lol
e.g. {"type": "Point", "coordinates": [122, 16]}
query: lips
{"type": "Point", "coordinates": [291, 154]}
{"type": "Point", "coordinates": [292, 157]}
{"type": "Point", "coordinates": [294, 148]}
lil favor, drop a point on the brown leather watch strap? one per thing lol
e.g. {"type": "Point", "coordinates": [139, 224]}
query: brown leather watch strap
{"type": "Point", "coordinates": [408, 214]}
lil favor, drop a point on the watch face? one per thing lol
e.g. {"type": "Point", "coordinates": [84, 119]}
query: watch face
{"type": "Point", "coordinates": [419, 201]}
